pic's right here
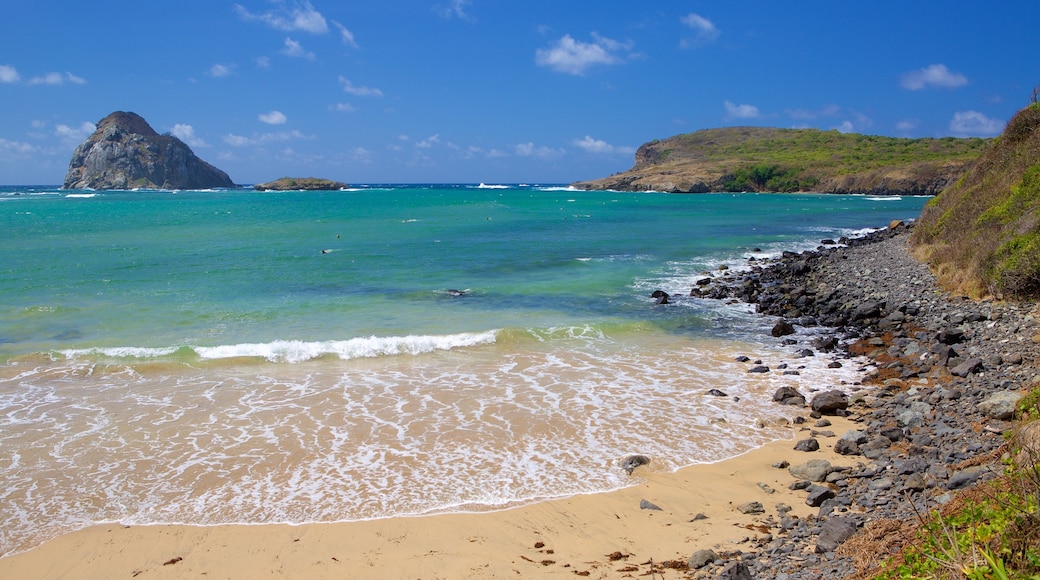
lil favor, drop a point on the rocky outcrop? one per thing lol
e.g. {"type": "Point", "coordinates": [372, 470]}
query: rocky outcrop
{"type": "Point", "coordinates": [300, 184]}
{"type": "Point", "coordinates": [126, 153]}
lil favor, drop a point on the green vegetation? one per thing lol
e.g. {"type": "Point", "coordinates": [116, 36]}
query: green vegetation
{"type": "Point", "coordinates": [772, 159]}
{"type": "Point", "coordinates": [982, 235]}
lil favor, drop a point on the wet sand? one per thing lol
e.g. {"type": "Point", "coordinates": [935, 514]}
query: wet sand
{"type": "Point", "coordinates": [596, 536]}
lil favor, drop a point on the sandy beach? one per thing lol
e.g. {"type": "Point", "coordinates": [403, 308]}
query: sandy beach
{"type": "Point", "coordinates": [597, 536]}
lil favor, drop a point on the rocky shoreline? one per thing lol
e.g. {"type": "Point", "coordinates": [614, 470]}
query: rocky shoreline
{"type": "Point", "coordinates": [932, 408]}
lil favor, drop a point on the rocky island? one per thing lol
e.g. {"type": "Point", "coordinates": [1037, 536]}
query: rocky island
{"type": "Point", "coordinates": [126, 153]}
{"type": "Point", "coordinates": [300, 184]}
{"type": "Point", "coordinates": [765, 159]}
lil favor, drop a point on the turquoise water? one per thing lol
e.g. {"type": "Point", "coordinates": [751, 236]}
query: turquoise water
{"type": "Point", "coordinates": [240, 357]}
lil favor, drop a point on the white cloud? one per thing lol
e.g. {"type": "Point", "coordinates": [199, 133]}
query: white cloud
{"type": "Point", "coordinates": [531, 150]}
{"type": "Point", "coordinates": [456, 8]}
{"type": "Point", "coordinates": [298, 16]}
{"type": "Point", "coordinates": [11, 148]}
{"type": "Point", "coordinates": [8, 74]}
{"type": "Point", "coordinates": [186, 133]}
{"type": "Point", "coordinates": [342, 108]}
{"type": "Point", "coordinates": [54, 78]}
{"type": "Point", "coordinates": [705, 30]}
{"type": "Point", "coordinates": [428, 142]}
{"type": "Point", "coordinates": [974, 124]}
{"type": "Point", "coordinates": [600, 147]}
{"type": "Point", "coordinates": [575, 57]}
{"type": "Point", "coordinates": [273, 118]}
{"type": "Point", "coordinates": [75, 134]}
{"type": "Point", "coordinates": [241, 141]}
{"type": "Point", "coordinates": [359, 91]}
{"type": "Point", "coordinates": [295, 50]}
{"type": "Point", "coordinates": [935, 75]}
{"type": "Point", "coordinates": [735, 111]}
{"type": "Point", "coordinates": [219, 70]}
{"type": "Point", "coordinates": [346, 35]}
{"type": "Point", "coordinates": [263, 61]}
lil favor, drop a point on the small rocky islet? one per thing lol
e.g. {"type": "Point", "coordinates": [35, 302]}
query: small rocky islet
{"type": "Point", "coordinates": [933, 405]}
{"type": "Point", "coordinates": [300, 184]}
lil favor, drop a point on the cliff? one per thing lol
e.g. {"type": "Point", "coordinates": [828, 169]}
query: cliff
{"type": "Point", "coordinates": [788, 160]}
{"type": "Point", "coordinates": [982, 236]}
{"type": "Point", "coordinates": [125, 153]}
{"type": "Point", "coordinates": [300, 183]}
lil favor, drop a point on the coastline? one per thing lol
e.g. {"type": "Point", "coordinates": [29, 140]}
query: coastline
{"type": "Point", "coordinates": [921, 430]}
{"type": "Point", "coordinates": [606, 535]}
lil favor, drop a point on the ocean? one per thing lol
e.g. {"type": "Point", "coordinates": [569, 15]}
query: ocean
{"type": "Point", "coordinates": [220, 357]}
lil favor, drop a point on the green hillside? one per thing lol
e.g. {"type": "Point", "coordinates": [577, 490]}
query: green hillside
{"type": "Point", "coordinates": [771, 159]}
{"type": "Point", "coordinates": [982, 236]}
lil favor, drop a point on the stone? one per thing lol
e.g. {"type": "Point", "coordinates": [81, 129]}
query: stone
{"type": "Point", "coordinates": [717, 393]}
{"type": "Point", "coordinates": [701, 558]}
{"type": "Point", "coordinates": [782, 328]}
{"type": "Point", "coordinates": [758, 369]}
{"type": "Point", "coordinates": [850, 442]}
{"type": "Point", "coordinates": [751, 508]}
{"type": "Point", "coordinates": [808, 445]}
{"type": "Point", "coordinates": [1000, 405]}
{"type": "Point", "coordinates": [834, 532]}
{"type": "Point", "coordinates": [789, 396]}
{"type": "Point", "coordinates": [812, 470]}
{"type": "Point", "coordinates": [818, 494]}
{"type": "Point", "coordinates": [830, 403]}
{"type": "Point", "coordinates": [970, 366]}
{"type": "Point", "coordinates": [124, 152]}
{"type": "Point", "coordinates": [964, 478]}
{"type": "Point", "coordinates": [647, 505]}
{"type": "Point", "coordinates": [630, 463]}
{"type": "Point", "coordinates": [735, 571]}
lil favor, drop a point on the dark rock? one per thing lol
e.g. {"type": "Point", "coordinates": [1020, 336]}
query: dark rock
{"type": "Point", "coordinates": [300, 184]}
{"type": "Point", "coordinates": [818, 494]}
{"type": "Point", "coordinates": [807, 445]}
{"type": "Point", "coordinates": [661, 297]}
{"type": "Point", "coordinates": [830, 403]}
{"type": "Point", "coordinates": [850, 442]}
{"type": "Point", "coordinates": [717, 393]}
{"type": "Point", "coordinates": [970, 366]}
{"type": "Point", "coordinates": [867, 310]}
{"type": "Point", "coordinates": [964, 478]}
{"type": "Point", "coordinates": [646, 505]}
{"type": "Point", "coordinates": [782, 328]}
{"type": "Point", "coordinates": [834, 532]}
{"type": "Point", "coordinates": [735, 571]}
{"type": "Point", "coordinates": [630, 463]}
{"type": "Point", "coordinates": [758, 369]}
{"type": "Point", "coordinates": [788, 396]}
{"type": "Point", "coordinates": [126, 153]}
{"type": "Point", "coordinates": [950, 336]}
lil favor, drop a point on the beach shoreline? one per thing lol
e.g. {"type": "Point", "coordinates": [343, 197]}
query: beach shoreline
{"type": "Point", "coordinates": [919, 429]}
{"type": "Point", "coordinates": [606, 535]}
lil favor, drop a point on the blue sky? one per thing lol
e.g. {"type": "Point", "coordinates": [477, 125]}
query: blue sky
{"type": "Point", "coordinates": [530, 91]}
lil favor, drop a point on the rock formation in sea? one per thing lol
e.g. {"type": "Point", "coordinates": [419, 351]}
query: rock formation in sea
{"type": "Point", "coordinates": [125, 153]}
{"type": "Point", "coordinates": [300, 183]}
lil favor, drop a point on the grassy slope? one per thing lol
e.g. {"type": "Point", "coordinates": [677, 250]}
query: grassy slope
{"type": "Point", "coordinates": [982, 235]}
{"type": "Point", "coordinates": [770, 159]}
